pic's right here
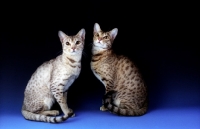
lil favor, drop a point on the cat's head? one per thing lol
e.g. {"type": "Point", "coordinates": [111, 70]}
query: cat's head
{"type": "Point", "coordinates": [103, 40]}
{"type": "Point", "coordinates": [72, 45]}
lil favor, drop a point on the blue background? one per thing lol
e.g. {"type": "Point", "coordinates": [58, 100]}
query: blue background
{"type": "Point", "coordinates": [161, 38]}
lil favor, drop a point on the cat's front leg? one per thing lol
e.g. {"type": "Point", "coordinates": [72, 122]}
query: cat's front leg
{"type": "Point", "coordinates": [102, 108]}
{"type": "Point", "coordinates": [71, 112]}
{"type": "Point", "coordinates": [107, 98]}
{"type": "Point", "coordinates": [61, 98]}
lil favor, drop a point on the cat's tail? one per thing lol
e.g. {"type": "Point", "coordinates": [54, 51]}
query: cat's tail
{"type": "Point", "coordinates": [43, 118]}
{"type": "Point", "coordinates": [125, 112]}
{"type": "Point", "coordinates": [110, 106]}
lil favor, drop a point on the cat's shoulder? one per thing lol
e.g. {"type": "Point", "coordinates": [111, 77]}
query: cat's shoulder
{"type": "Point", "coordinates": [125, 59]}
{"type": "Point", "coordinates": [48, 62]}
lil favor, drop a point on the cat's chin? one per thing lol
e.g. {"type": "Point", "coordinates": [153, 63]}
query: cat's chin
{"type": "Point", "coordinates": [99, 47]}
{"type": "Point", "coordinates": [73, 53]}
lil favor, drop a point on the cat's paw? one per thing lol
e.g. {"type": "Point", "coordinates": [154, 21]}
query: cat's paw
{"type": "Point", "coordinates": [102, 108]}
{"type": "Point", "coordinates": [50, 113]}
{"type": "Point", "coordinates": [56, 113]}
{"type": "Point", "coordinates": [71, 113]}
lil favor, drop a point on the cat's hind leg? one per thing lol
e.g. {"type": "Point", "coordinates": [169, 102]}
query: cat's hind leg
{"type": "Point", "coordinates": [50, 113]}
{"type": "Point", "coordinates": [47, 112]}
{"type": "Point", "coordinates": [48, 102]}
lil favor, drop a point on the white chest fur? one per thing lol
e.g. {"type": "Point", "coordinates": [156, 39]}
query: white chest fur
{"type": "Point", "coordinates": [98, 76]}
{"type": "Point", "coordinates": [69, 82]}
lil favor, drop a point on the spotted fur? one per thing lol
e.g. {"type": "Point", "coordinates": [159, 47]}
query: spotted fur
{"type": "Point", "coordinates": [51, 80]}
{"type": "Point", "coordinates": [125, 91]}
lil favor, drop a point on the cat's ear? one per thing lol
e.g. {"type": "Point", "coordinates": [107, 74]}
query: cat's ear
{"type": "Point", "coordinates": [61, 35]}
{"type": "Point", "coordinates": [81, 34]}
{"type": "Point", "coordinates": [97, 27]}
{"type": "Point", "coordinates": [113, 33]}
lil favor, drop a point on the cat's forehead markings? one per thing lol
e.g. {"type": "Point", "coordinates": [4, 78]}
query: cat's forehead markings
{"type": "Point", "coordinates": [75, 38]}
{"type": "Point", "coordinates": [72, 39]}
{"type": "Point", "coordinates": [100, 32]}
{"type": "Point", "coordinates": [104, 33]}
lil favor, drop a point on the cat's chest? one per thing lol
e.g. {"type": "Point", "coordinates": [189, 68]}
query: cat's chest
{"type": "Point", "coordinates": [98, 75]}
{"type": "Point", "coordinates": [67, 72]}
{"type": "Point", "coordinates": [70, 80]}
{"type": "Point", "coordinates": [71, 70]}
{"type": "Point", "coordinates": [67, 76]}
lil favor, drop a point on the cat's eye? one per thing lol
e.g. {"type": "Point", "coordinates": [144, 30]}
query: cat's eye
{"type": "Point", "coordinates": [67, 43]}
{"type": "Point", "coordinates": [97, 34]}
{"type": "Point", "coordinates": [78, 42]}
{"type": "Point", "coordinates": [105, 37]}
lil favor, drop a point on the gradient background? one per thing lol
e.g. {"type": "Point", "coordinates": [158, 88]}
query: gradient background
{"type": "Point", "coordinates": [160, 37]}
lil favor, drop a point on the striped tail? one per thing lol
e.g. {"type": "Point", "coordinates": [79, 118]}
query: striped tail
{"type": "Point", "coordinates": [125, 112]}
{"type": "Point", "coordinates": [108, 103]}
{"type": "Point", "coordinates": [43, 118]}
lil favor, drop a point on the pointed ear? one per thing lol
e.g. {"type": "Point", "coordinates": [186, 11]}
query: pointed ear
{"type": "Point", "coordinates": [97, 27]}
{"type": "Point", "coordinates": [61, 35]}
{"type": "Point", "coordinates": [113, 33]}
{"type": "Point", "coordinates": [81, 34]}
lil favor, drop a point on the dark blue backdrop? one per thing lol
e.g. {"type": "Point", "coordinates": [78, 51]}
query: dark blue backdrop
{"type": "Point", "coordinates": [160, 37]}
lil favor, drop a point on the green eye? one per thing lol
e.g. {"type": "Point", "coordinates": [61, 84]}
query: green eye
{"type": "Point", "coordinates": [78, 42]}
{"type": "Point", "coordinates": [67, 43]}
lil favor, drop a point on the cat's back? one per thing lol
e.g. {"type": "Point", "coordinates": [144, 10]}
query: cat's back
{"type": "Point", "coordinates": [42, 74]}
{"type": "Point", "coordinates": [126, 65]}
{"type": "Point", "coordinates": [45, 67]}
{"type": "Point", "coordinates": [123, 60]}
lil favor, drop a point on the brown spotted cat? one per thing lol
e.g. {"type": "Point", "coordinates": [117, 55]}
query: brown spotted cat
{"type": "Point", "coordinates": [126, 93]}
{"type": "Point", "coordinates": [51, 80]}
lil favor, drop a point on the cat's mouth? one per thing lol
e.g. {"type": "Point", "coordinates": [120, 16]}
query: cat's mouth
{"type": "Point", "coordinates": [99, 45]}
{"type": "Point", "coordinates": [73, 50]}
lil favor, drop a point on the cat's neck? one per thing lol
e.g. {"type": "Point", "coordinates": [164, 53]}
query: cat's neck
{"type": "Point", "coordinates": [70, 58]}
{"type": "Point", "coordinates": [97, 50]}
{"type": "Point", "coordinates": [105, 53]}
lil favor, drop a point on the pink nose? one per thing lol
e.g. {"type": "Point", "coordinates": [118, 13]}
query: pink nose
{"type": "Point", "coordinates": [73, 48]}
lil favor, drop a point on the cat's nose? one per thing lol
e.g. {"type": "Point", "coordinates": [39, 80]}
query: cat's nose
{"type": "Point", "coordinates": [73, 49]}
{"type": "Point", "coordinates": [99, 39]}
